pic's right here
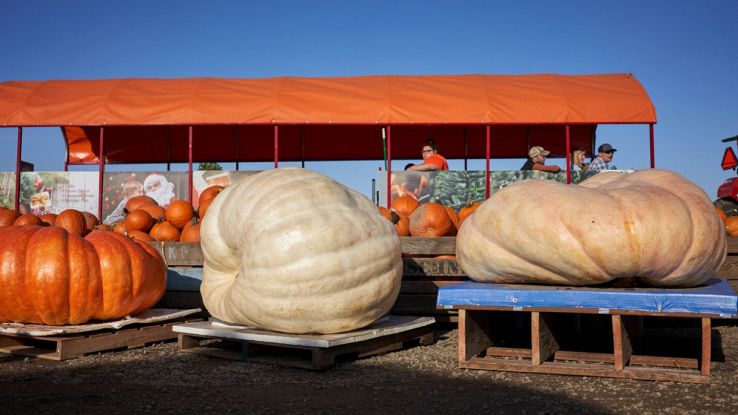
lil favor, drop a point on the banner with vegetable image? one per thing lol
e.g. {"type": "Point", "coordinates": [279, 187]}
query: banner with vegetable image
{"type": "Point", "coordinates": [457, 188]}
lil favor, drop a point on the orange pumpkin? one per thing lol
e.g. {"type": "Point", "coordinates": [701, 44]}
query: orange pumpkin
{"type": "Point", "coordinates": [209, 194]}
{"type": "Point", "coordinates": [103, 227]}
{"type": "Point", "coordinates": [27, 219]}
{"type": "Point", "coordinates": [731, 225]}
{"type": "Point", "coordinates": [454, 219]}
{"type": "Point", "coordinates": [141, 236]}
{"type": "Point", "coordinates": [138, 201]}
{"type": "Point", "coordinates": [386, 213]}
{"type": "Point", "coordinates": [120, 227]}
{"type": "Point", "coordinates": [164, 232]}
{"type": "Point", "coordinates": [73, 221]}
{"type": "Point", "coordinates": [203, 209]}
{"type": "Point", "coordinates": [59, 278]}
{"type": "Point", "coordinates": [467, 210]}
{"type": "Point", "coordinates": [430, 219]}
{"type": "Point", "coordinates": [404, 205]}
{"type": "Point", "coordinates": [191, 232]}
{"type": "Point", "coordinates": [90, 221]}
{"type": "Point", "coordinates": [402, 226]}
{"type": "Point", "coordinates": [722, 214]}
{"type": "Point", "coordinates": [179, 212]}
{"type": "Point", "coordinates": [156, 211]}
{"type": "Point", "coordinates": [8, 217]}
{"type": "Point", "coordinates": [138, 220]}
{"type": "Point", "coordinates": [48, 219]}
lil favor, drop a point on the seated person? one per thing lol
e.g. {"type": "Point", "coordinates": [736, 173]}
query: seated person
{"type": "Point", "coordinates": [432, 161]}
{"type": "Point", "coordinates": [577, 161]}
{"type": "Point", "coordinates": [537, 160]}
{"type": "Point", "coordinates": [605, 153]}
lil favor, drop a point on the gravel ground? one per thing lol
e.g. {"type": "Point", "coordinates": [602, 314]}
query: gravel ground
{"type": "Point", "coordinates": [423, 379]}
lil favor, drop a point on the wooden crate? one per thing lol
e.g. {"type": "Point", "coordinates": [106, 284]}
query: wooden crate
{"type": "Point", "coordinates": [317, 352]}
{"type": "Point", "coordinates": [64, 347]}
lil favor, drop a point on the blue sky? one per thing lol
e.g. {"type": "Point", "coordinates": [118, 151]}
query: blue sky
{"type": "Point", "coordinates": [685, 53]}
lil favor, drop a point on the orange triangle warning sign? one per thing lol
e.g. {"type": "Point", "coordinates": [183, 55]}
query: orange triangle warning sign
{"type": "Point", "coordinates": [730, 161]}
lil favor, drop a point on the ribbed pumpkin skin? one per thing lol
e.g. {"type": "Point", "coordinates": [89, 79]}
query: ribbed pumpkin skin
{"type": "Point", "coordinates": [651, 224]}
{"type": "Point", "coordinates": [72, 220]}
{"type": "Point", "coordinates": [291, 250]}
{"type": "Point", "coordinates": [431, 219]}
{"type": "Point", "coordinates": [52, 277]}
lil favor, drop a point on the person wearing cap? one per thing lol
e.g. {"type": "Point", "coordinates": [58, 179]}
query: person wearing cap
{"type": "Point", "coordinates": [537, 160]}
{"type": "Point", "coordinates": [603, 159]}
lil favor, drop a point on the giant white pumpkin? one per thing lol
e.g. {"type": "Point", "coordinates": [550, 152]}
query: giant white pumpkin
{"type": "Point", "coordinates": [651, 224]}
{"type": "Point", "coordinates": [292, 250]}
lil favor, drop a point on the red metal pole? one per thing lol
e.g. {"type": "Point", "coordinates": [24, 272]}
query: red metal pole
{"type": "Point", "coordinates": [101, 174]}
{"type": "Point", "coordinates": [653, 156]}
{"type": "Point", "coordinates": [568, 156]}
{"type": "Point", "coordinates": [189, 167]}
{"type": "Point", "coordinates": [389, 165]}
{"type": "Point", "coordinates": [18, 167]}
{"type": "Point", "coordinates": [486, 168]}
{"type": "Point", "coordinates": [276, 146]}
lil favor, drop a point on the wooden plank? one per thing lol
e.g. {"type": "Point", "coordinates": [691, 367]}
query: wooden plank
{"type": "Point", "coordinates": [706, 355]}
{"type": "Point", "coordinates": [621, 343]}
{"type": "Point", "coordinates": [69, 347]}
{"type": "Point", "coordinates": [729, 268]}
{"type": "Point", "coordinates": [732, 244]}
{"type": "Point", "coordinates": [474, 334]}
{"type": "Point", "coordinates": [301, 356]}
{"type": "Point", "coordinates": [443, 245]}
{"type": "Point", "coordinates": [674, 375]}
{"type": "Point", "coordinates": [180, 253]}
{"type": "Point", "coordinates": [431, 267]}
{"type": "Point", "coordinates": [543, 341]}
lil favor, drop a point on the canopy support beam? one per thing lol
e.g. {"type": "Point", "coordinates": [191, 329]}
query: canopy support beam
{"type": "Point", "coordinates": [302, 145]}
{"type": "Point", "coordinates": [568, 156]}
{"type": "Point", "coordinates": [466, 149]}
{"type": "Point", "coordinates": [18, 147]}
{"type": "Point", "coordinates": [189, 165]}
{"type": "Point", "coordinates": [101, 174]}
{"type": "Point", "coordinates": [389, 165]}
{"type": "Point", "coordinates": [653, 155]}
{"type": "Point", "coordinates": [237, 139]}
{"type": "Point", "coordinates": [486, 165]}
{"type": "Point", "coordinates": [276, 146]}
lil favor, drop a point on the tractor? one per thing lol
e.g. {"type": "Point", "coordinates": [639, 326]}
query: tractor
{"type": "Point", "coordinates": [727, 193]}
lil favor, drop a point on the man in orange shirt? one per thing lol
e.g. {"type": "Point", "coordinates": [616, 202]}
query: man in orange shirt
{"type": "Point", "coordinates": [431, 159]}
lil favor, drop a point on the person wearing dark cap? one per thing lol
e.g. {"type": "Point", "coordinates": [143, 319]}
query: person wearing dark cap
{"type": "Point", "coordinates": [603, 159]}
{"type": "Point", "coordinates": [537, 160]}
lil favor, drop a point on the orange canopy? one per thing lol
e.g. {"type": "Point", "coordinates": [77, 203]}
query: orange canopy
{"type": "Point", "coordinates": [146, 120]}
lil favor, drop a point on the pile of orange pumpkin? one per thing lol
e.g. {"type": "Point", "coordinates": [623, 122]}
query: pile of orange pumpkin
{"type": "Point", "coordinates": [428, 219]}
{"type": "Point", "coordinates": [72, 220]}
{"type": "Point", "coordinates": [145, 220]}
{"type": "Point", "coordinates": [179, 222]}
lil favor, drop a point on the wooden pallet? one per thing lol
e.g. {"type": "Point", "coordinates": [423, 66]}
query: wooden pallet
{"type": "Point", "coordinates": [316, 352]}
{"type": "Point", "coordinates": [552, 342]}
{"type": "Point", "coordinates": [64, 347]}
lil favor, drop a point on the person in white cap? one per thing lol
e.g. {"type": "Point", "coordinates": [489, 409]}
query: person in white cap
{"type": "Point", "coordinates": [604, 157]}
{"type": "Point", "coordinates": [537, 160]}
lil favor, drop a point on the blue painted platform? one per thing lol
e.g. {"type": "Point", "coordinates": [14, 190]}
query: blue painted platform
{"type": "Point", "coordinates": [715, 298]}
